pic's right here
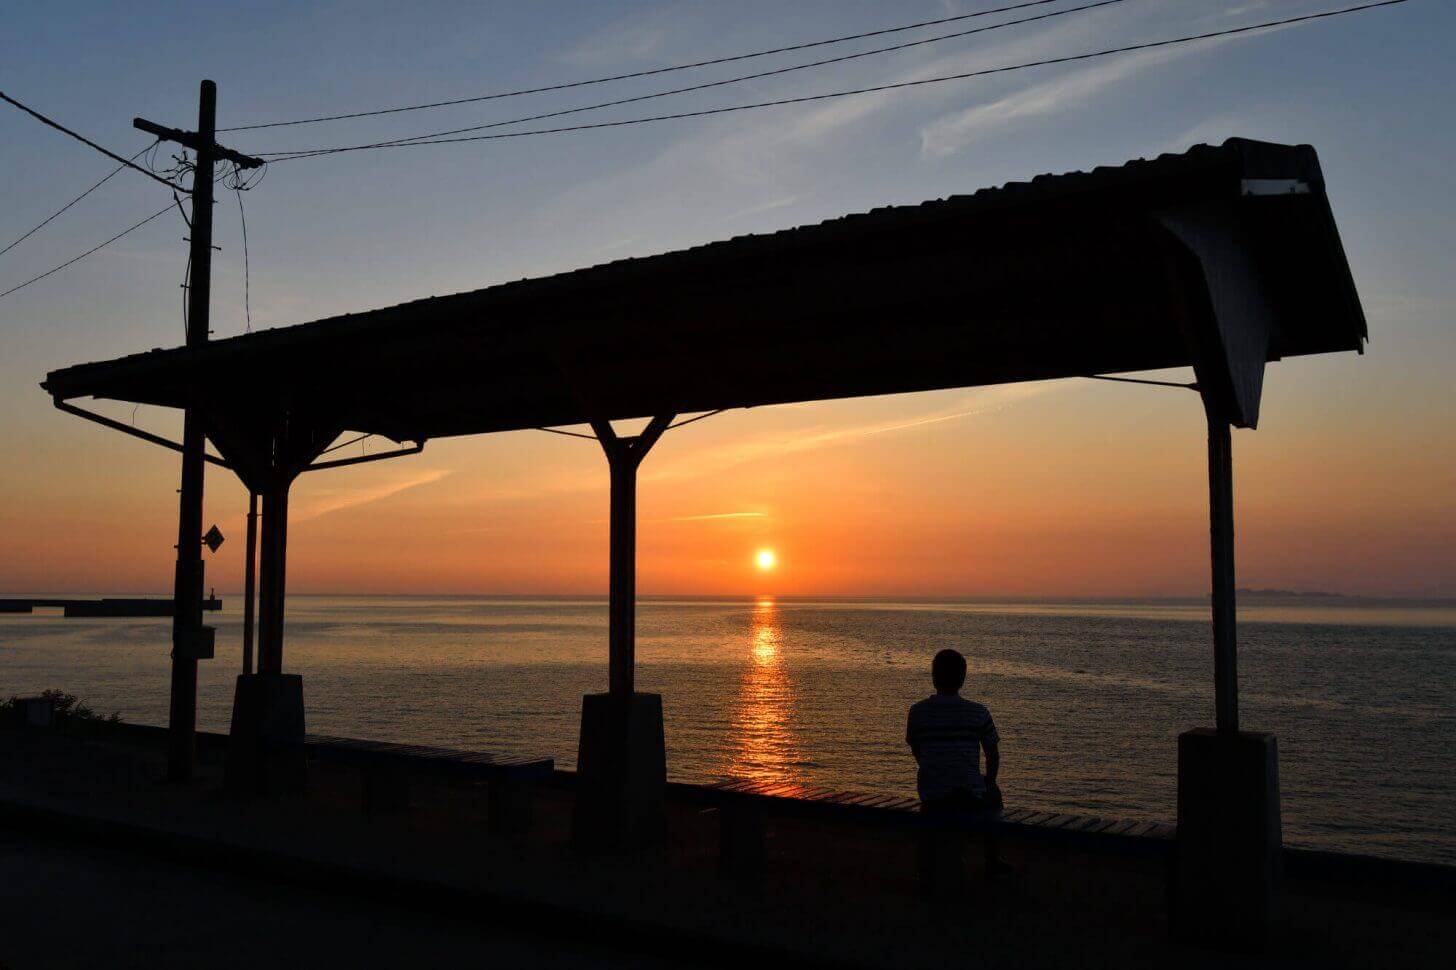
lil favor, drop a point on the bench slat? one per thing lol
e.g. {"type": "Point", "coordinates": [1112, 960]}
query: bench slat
{"type": "Point", "coordinates": [1085, 823]}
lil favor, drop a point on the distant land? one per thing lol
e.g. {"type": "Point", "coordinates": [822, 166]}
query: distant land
{"type": "Point", "coordinates": [1303, 594]}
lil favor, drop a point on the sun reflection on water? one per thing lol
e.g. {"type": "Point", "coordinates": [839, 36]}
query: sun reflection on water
{"type": "Point", "coordinates": [762, 742]}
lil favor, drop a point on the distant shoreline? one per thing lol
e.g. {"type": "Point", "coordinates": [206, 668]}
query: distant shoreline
{"type": "Point", "coordinates": [1249, 596]}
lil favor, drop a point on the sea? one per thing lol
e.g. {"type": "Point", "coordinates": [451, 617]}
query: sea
{"type": "Point", "coordinates": [1088, 696]}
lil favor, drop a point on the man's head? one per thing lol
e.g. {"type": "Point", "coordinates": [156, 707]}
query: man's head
{"type": "Point", "coordinates": [948, 671]}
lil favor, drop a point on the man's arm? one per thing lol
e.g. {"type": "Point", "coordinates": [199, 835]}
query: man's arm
{"type": "Point", "coordinates": [993, 760]}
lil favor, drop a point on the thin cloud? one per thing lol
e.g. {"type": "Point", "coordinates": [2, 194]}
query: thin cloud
{"type": "Point", "coordinates": [717, 515]}
{"type": "Point", "coordinates": [336, 500]}
{"type": "Point", "coordinates": [954, 132]}
{"type": "Point", "coordinates": [762, 207]}
{"type": "Point", "coordinates": [710, 517]}
{"type": "Point", "coordinates": [727, 454]}
{"type": "Point", "coordinates": [980, 401]}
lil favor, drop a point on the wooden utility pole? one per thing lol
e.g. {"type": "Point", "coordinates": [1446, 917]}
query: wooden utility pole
{"type": "Point", "coordinates": [190, 640]}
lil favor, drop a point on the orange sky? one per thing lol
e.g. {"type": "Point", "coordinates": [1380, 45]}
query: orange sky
{"type": "Point", "coordinates": [1070, 488]}
{"type": "Point", "coordinates": [1059, 488]}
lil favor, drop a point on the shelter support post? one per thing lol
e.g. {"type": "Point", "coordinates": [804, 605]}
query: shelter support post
{"type": "Point", "coordinates": [269, 449]}
{"type": "Point", "coordinates": [265, 745]}
{"type": "Point", "coordinates": [1229, 840]}
{"type": "Point", "coordinates": [1221, 548]}
{"type": "Point", "coordinates": [621, 757]}
{"type": "Point", "coordinates": [622, 583]}
{"type": "Point", "coordinates": [274, 562]}
{"type": "Point", "coordinates": [250, 581]}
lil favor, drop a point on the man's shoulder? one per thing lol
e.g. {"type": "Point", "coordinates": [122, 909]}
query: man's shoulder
{"type": "Point", "coordinates": [976, 707]}
{"type": "Point", "coordinates": [950, 704]}
{"type": "Point", "coordinates": [922, 704]}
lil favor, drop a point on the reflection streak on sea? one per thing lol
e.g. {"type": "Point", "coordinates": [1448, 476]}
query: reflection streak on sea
{"type": "Point", "coordinates": [762, 743]}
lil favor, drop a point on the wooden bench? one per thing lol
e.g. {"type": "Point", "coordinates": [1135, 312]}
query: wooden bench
{"type": "Point", "coordinates": [387, 768]}
{"type": "Point", "coordinates": [745, 808]}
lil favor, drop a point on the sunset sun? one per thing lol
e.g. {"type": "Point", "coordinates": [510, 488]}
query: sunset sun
{"type": "Point", "coordinates": [766, 559]}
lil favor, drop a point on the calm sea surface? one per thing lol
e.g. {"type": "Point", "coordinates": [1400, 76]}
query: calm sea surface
{"type": "Point", "coordinates": [1089, 698]}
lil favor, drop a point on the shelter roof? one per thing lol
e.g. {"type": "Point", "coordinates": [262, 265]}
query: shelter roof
{"type": "Point", "coordinates": [1221, 257]}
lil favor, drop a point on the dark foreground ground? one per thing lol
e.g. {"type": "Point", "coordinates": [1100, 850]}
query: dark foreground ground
{"type": "Point", "coordinates": [76, 905]}
{"type": "Point", "coordinates": [102, 866]}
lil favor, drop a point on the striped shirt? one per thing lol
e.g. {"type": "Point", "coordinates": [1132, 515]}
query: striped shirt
{"type": "Point", "coordinates": [946, 732]}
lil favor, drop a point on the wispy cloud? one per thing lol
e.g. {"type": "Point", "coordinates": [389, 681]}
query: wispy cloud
{"type": "Point", "coordinates": [633, 40]}
{"type": "Point", "coordinates": [980, 401]}
{"type": "Point", "coordinates": [762, 207]}
{"type": "Point", "coordinates": [955, 131]}
{"type": "Point", "coordinates": [717, 515]}
{"type": "Point", "coordinates": [709, 517]}
{"type": "Point", "coordinates": [337, 499]}
{"type": "Point", "coordinates": [722, 455]}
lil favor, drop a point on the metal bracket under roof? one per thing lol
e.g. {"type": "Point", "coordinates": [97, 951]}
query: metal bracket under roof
{"type": "Point", "coordinates": [1274, 187]}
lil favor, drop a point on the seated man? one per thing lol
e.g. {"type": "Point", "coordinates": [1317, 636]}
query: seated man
{"type": "Point", "coordinates": [946, 732]}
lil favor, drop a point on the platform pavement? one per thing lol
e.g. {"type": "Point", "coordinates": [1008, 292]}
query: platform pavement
{"type": "Point", "coordinates": [838, 896]}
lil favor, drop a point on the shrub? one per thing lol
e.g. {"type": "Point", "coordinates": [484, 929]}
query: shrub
{"type": "Point", "coordinates": [68, 708]}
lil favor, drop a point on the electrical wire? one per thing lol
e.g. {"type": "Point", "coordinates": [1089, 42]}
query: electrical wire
{"type": "Point", "coordinates": [647, 73]}
{"type": "Point", "coordinates": [186, 285]}
{"type": "Point", "coordinates": [1168, 42]}
{"type": "Point", "coordinates": [725, 81]}
{"type": "Point", "coordinates": [570, 434]}
{"type": "Point", "coordinates": [126, 162]}
{"type": "Point", "coordinates": [688, 421]}
{"type": "Point", "coordinates": [235, 179]}
{"type": "Point", "coordinates": [247, 272]}
{"type": "Point", "coordinates": [48, 219]}
{"type": "Point", "coordinates": [351, 441]}
{"type": "Point", "coordinates": [76, 259]}
{"type": "Point", "coordinates": [592, 437]}
{"type": "Point", "coordinates": [1141, 380]}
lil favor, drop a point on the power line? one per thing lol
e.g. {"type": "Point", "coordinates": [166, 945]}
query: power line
{"type": "Point", "coordinates": [647, 73]}
{"type": "Point", "coordinates": [687, 421]}
{"type": "Point", "coordinates": [76, 259]}
{"type": "Point", "coordinates": [1140, 380]}
{"type": "Point", "coordinates": [247, 272]}
{"type": "Point", "coordinates": [570, 434]}
{"type": "Point", "coordinates": [1190, 38]}
{"type": "Point", "coordinates": [48, 219]}
{"type": "Point", "coordinates": [351, 441]}
{"type": "Point", "coordinates": [239, 183]}
{"type": "Point", "coordinates": [720, 83]}
{"type": "Point", "coordinates": [126, 162]}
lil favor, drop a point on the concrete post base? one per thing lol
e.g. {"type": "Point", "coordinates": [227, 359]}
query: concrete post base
{"type": "Point", "coordinates": [265, 747]}
{"type": "Point", "coordinates": [621, 773]}
{"type": "Point", "coordinates": [1229, 842]}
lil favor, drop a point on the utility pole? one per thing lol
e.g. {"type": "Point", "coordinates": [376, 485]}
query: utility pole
{"type": "Point", "coordinates": [191, 641]}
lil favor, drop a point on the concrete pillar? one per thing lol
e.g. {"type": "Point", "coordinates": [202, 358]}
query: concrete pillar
{"type": "Point", "coordinates": [621, 770]}
{"type": "Point", "coordinates": [1229, 833]}
{"type": "Point", "coordinates": [265, 745]}
{"type": "Point", "coordinates": [1229, 838]}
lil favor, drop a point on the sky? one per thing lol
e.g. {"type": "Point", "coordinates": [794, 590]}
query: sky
{"type": "Point", "coordinates": [1069, 488]}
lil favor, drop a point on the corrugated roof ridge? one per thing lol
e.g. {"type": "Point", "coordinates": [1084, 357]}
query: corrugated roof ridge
{"type": "Point", "coordinates": [1073, 181]}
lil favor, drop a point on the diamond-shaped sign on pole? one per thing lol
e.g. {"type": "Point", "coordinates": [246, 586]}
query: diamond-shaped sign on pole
{"type": "Point", "coordinates": [213, 538]}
